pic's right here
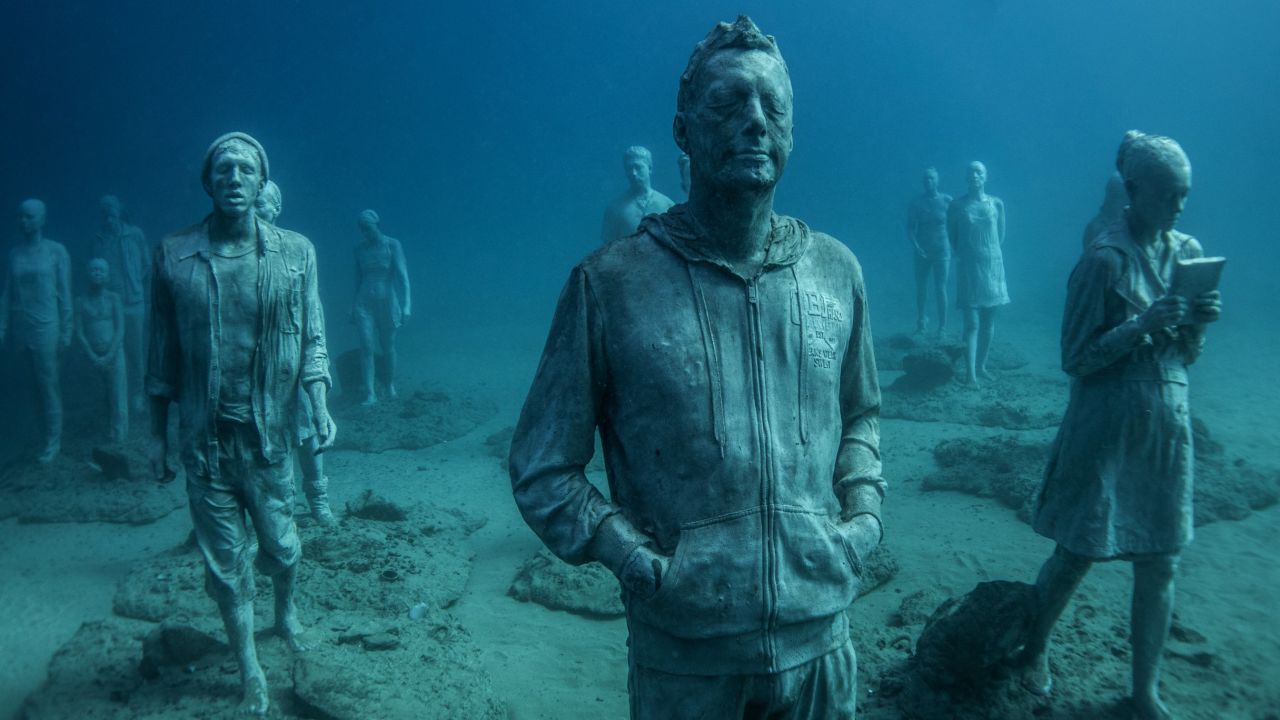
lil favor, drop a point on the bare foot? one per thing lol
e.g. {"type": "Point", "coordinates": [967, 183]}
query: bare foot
{"type": "Point", "coordinates": [1035, 674]}
{"type": "Point", "coordinates": [971, 382]}
{"type": "Point", "coordinates": [1150, 708]}
{"type": "Point", "coordinates": [370, 401]}
{"type": "Point", "coordinates": [291, 630]}
{"type": "Point", "coordinates": [256, 700]}
{"type": "Point", "coordinates": [985, 374]}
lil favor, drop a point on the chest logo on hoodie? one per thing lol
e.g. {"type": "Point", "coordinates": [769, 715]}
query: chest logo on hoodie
{"type": "Point", "coordinates": [824, 326]}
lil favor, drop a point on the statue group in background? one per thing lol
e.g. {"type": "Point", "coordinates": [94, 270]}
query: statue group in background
{"type": "Point", "coordinates": [1120, 475]}
{"type": "Point", "coordinates": [624, 214]}
{"type": "Point", "coordinates": [381, 305]}
{"type": "Point", "coordinates": [128, 258]}
{"type": "Point", "coordinates": [931, 249]}
{"type": "Point", "coordinates": [238, 331]}
{"type": "Point", "coordinates": [36, 316]}
{"type": "Point", "coordinates": [976, 226]}
{"type": "Point", "coordinates": [100, 328]}
{"type": "Point", "coordinates": [1110, 212]}
{"type": "Point", "coordinates": [745, 494]}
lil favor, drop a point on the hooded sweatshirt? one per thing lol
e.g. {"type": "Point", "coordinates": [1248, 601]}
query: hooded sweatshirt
{"type": "Point", "coordinates": [739, 420]}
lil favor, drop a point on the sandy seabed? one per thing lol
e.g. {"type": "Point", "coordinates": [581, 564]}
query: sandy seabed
{"type": "Point", "coordinates": [552, 664]}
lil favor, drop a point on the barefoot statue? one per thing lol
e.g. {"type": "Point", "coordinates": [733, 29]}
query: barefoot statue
{"type": "Point", "coordinates": [1119, 480]}
{"type": "Point", "coordinates": [975, 224]}
{"type": "Point", "coordinates": [931, 251]}
{"type": "Point", "coordinates": [623, 215]}
{"type": "Point", "coordinates": [100, 329]}
{"type": "Point", "coordinates": [381, 305]}
{"type": "Point", "coordinates": [35, 314]}
{"type": "Point", "coordinates": [315, 484]}
{"type": "Point", "coordinates": [128, 257]}
{"type": "Point", "coordinates": [237, 329]}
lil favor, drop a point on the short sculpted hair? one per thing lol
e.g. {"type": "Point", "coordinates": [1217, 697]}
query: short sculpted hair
{"type": "Point", "coordinates": [740, 35]}
{"type": "Point", "coordinates": [638, 152]}
{"type": "Point", "coordinates": [1140, 154]}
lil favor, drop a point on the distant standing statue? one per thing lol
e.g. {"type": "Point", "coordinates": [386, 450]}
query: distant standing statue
{"type": "Point", "coordinates": [623, 216]}
{"type": "Point", "coordinates": [931, 250]}
{"type": "Point", "coordinates": [36, 308]}
{"type": "Point", "coordinates": [100, 328]}
{"type": "Point", "coordinates": [315, 484]}
{"type": "Point", "coordinates": [128, 257]}
{"type": "Point", "coordinates": [1119, 481]}
{"type": "Point", "coordinates": [237, 329]}
{"type": "Point", "coordinates": [1112, 210]}
{"type": "Point", "coordinates": [975, 223]}
{"type": "Point", "coordinates": [381, 305]}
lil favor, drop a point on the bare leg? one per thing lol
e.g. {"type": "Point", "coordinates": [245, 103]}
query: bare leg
{"type": "Point", "coordinates": [238, 620]}
{"type": "Point", "coordinates": [971, 346]}
{"type": "Point", "coordinates": [1059, 577]}
{"type": "Point", "coordinates": [117, 398]}
{"type": "Point", "coordinates": [1149, 629]}
{"type": "Point", "coordinates": [941, 269]}
{"type": "Point", "coordinates": [922, 291]}
{"type": "Point", "coordinates": [44, 366]}
{"type": "Point", "coordinates": [389, 360]}
{"type": "Point", "coordinates": [287, 624]}
{"type": "Point", "coordinates": [986, 329]}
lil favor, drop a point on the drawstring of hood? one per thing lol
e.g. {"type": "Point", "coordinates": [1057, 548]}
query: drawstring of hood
{"type": "Point", "coordinates": [802, 391]}
{"type": "Point", "coordinates": [710, 350]}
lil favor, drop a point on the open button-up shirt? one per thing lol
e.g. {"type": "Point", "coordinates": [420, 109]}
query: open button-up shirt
{"type": "Point", "coordinates": [183, 363]}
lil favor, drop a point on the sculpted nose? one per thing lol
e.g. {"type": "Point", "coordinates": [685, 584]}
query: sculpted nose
{"type": "Point", "coordinates": [753, 111]}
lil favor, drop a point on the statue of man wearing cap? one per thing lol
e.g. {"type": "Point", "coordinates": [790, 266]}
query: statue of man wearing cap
{"type": "Point", "coordinates": [723, 354]}
{"type": "Point", "coordinates": [237, 329]}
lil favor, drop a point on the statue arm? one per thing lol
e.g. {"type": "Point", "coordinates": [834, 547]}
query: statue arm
{"type": "Point", "coordinates": [1000, 218]}
{"type": "Point", "coordinates": [858, 483]}
{"type": "Point", "coordinates": [79, 331]}
{"type": "Point", "coordinates": [315, 353]}
{"type": "Point", "coordinates": [1089, 343]}
{"type": "Point", "coordinates": [555, 439]}
{"type": "Point", "coordinates": [117, 325]}
{"type": "Point", "coordinates": [64, 295]}
{"type": "Point", "coordinates": [402, 276]}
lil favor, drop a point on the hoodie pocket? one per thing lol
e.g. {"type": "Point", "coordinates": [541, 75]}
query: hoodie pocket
{"type": "Point", "coordinates": [714, 585]}
{"type": "Point", "coordinates": [817, 568]}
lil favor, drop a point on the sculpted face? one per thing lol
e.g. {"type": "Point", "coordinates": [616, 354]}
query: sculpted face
{"type": "Point", "coordinates": [98, 272]}
{"type": "Point", "coordinates": [931, 181]}
{"type": "Point", "coordinates": [637, 170]}
{"type": "Point", "coordinates": [1158, 196]}
{"type": "Point", "coordinates": [977, 176]}
{"type": "Point", "coordinates": [112, 214]}
{"type": "Point", "coordinates": [737, 129]}
{"type": "Point", "coordinates": [235, 179]}
{"type": "Point", "coordinates": [269, 203]}
{"type": "Point", "coordinates": [31, 217]}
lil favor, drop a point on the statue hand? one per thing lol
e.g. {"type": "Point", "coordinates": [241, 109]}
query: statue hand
{"type": "Point", "coordinates": [863, 535]}
{"type": "Point", "coordinates": [644, 572]}
{"type": "Point", "coordinates": [326, 431]}
{"type": "Point", "coordinates": [1207, 307]}
{"type": "Point", "coordinates": [1168, 310]}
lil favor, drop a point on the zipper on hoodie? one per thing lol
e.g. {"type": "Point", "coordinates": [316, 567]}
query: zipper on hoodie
{"type": "Point", "coordinates": [767, 489]}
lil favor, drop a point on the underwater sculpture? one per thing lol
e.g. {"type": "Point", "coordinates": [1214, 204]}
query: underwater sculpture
{"type": "Point", "coordinates": [36, 315]}
{"type": "Point", "coordinates": [1111, 210]}
{"type": "Point", "coordinates": [1119, 481]}
{"type": "Point", "coordinates": [931, 250]}
{"type": "Point", "coordinates": [315, 484]}
{"type": "Point", "coordinates": [975, 224]}
{"type": "Point", "coordinates": [745, 494]}
{"type": "Point", "coordinates": [683, 162]}
{"type": "Point", "coordinates": [381, 303]}
{"type": "Point", "coordinates": [128, 257]}
{"type": "Point", "coordinates": [237, 329]}
{"type": "Point", "coordinates": [623, 215]}
{"type": "Point", "coordinates": [100, 328]}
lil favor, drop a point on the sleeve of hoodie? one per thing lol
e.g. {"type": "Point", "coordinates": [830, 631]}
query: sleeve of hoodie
{"type": "Point", "coordinates": [858, 482]}
{"type": "Point", "coordinates": [555, 439]}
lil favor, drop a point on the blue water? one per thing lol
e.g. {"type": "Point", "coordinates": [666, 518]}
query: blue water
{"type": "Point", "coordinates": [489, 136]}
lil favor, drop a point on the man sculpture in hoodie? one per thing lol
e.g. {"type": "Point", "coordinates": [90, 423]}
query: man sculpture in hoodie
{"type": "Point", "coordinates": [724, 354]}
